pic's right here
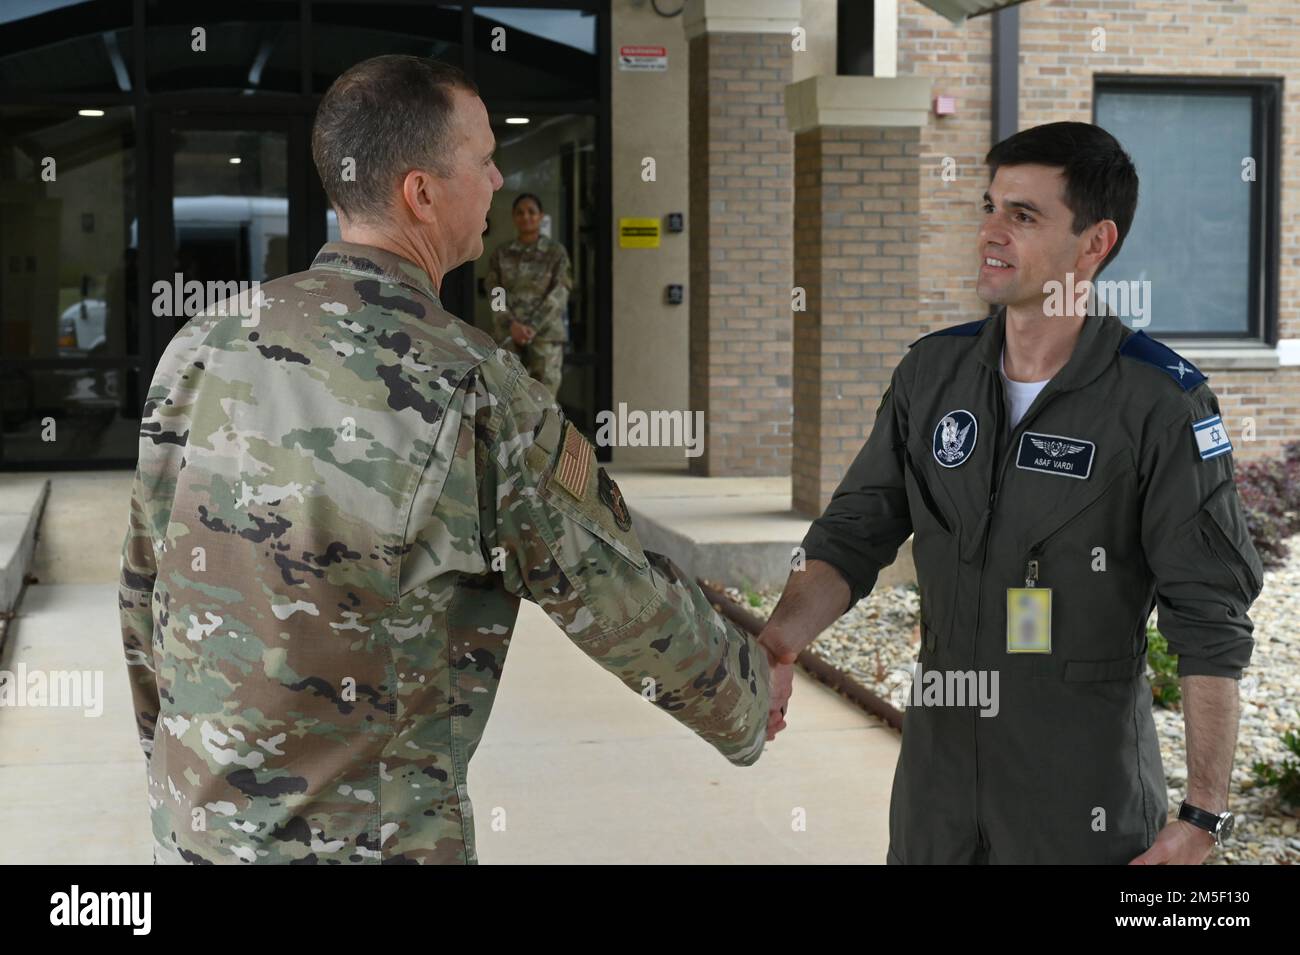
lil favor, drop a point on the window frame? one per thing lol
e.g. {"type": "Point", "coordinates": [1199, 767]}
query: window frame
{"type": "Point", "coordinates": [1265, 214]}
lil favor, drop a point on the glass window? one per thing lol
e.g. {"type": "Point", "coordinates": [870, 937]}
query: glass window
{"type": "Point", "coordinates": [67, 210]}
{"type": "Point", "coordinates": [344, 34]}
{"type": "Point", "coordinates": [1191, 238]}
{"type": "Point", "coordinates": [69, 413]}
{"type": "Point", "coordinates": [245, 45]}
{"type": "Point", "coordinates": [535, 53]}
{"type": "Point", "coordinates": [66, 46]}
{"type": "Point", "coordinates": [554, 158]}
{"type": "Point", "coordinates": [230, 206]}
{"type": "Point", "coordinates": [68, 284]}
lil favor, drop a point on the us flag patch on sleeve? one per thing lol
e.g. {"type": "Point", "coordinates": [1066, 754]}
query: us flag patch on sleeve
{"type": "Point", "coordinates": [1211, 437]}
{"type": "Point", "coordinates": [574, 466]}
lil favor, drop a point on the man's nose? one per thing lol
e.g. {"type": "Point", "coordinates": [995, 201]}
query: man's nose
{"type": "Point", "coordinates": [991, 231]}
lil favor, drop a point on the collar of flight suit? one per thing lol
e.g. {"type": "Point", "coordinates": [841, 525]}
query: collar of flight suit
{"type": "Point", "coordinates": [371, 260]}
{"type": "Point", "coordinates": [1098, 342]}
{"type": "Point", "coordinates": [1096, 347]}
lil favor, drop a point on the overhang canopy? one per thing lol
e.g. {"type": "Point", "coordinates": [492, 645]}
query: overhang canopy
{"type": "Point", "coordinates": [959, 10]}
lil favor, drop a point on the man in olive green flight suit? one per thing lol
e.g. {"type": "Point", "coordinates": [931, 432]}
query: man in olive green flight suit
{"type": "Point", "coordinates": [1110, 493]}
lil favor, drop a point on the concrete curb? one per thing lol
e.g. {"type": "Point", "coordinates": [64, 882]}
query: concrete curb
{"type": "Point", "coordinates": [760, 565]}
{"type": "Point", "coordinates": [22, 502]}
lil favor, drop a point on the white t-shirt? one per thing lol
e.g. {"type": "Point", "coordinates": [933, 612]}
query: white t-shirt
{"type": "Point", "coordinates": [1020, 394]}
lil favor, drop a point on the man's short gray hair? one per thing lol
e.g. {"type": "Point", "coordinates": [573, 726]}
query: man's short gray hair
{"type": "Point", "coordinates": [389, 114]}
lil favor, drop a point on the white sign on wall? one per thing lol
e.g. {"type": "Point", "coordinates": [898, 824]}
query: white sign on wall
{"type": "Point", "coordinates": [643, 58]}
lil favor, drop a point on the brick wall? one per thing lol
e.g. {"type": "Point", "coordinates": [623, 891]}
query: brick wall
{"type": "Point", "coordinates": [741, 194]}
{"type": "Point", "coordinates": [855, 231]}
{"type": "Point", "coordinates": [1189, 37]}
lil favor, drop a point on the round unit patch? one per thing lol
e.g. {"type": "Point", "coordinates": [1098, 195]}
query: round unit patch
{"type": "Point", "coordinates": [954, 438]}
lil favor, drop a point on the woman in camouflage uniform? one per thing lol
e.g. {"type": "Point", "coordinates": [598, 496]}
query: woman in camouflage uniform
{"type": "Point", "coordinates": [533, 271]}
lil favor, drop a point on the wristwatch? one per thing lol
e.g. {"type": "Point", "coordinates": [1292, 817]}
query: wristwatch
{"type": "Point", "coordinates": [1217, 824]}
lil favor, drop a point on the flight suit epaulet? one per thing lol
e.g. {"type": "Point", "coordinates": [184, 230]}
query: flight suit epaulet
{"type": "Point", "coordinates": [1144, 348]}
{"type": "Point", "coordinates": [968, 329]}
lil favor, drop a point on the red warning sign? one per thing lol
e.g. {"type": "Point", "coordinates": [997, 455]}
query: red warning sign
{"type": "Point", "coordinates": [642, 58]}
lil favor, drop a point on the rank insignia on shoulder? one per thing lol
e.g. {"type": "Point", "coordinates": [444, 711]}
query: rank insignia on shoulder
{"type": "Point", "coordinates": [574, 467]}
{"type": "Point", "coordinates": [613, 498]}
{"type": "Point", "coordinates": [1211, 437]}
{"type": "Point", "coordinates": [1146, 349]}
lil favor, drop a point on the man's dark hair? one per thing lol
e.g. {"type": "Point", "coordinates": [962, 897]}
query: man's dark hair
{"type": "Point", "coordinates": [389, 114]}
{"type": "Point", "coordinates": [526, 195]}
{"type": "Point", "coordinates": [1100, 181]}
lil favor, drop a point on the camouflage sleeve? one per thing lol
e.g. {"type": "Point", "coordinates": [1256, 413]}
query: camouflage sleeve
{"type": "Point", "coordinates": [548, 316]}
{"type": "Point", "coordinates": [134, 600]}
{"type": "Point", "coordinates": [555, 525]}
{"type": "Point", "coordinates": [500, 319]}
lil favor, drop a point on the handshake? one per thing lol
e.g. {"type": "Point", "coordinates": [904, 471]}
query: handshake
{"type": "Point", "coordinates": [782, 650]}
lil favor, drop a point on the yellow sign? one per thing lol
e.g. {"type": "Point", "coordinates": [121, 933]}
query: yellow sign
{"type": "Point", "coordinates": [638, 233]}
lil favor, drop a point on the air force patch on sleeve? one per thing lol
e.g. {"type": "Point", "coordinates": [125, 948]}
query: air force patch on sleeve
{"type": "Point", "coordinates": [1211, 437]}
{"type": "Point", "coordinates": [954, 438]}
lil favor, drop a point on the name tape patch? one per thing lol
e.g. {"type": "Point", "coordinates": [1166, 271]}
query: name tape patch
{"type": "Point", "coordinates": [1211, 437]}
{"type": "Point", "coordinates": [1055, 454]}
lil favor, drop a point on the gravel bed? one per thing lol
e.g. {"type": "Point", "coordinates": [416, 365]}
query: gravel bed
{"type": "Point", "coordinates": [876, 643]}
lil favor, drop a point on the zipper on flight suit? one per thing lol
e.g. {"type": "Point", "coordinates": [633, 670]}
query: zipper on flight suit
{"type": "Point", "coordinates": [996, 474]}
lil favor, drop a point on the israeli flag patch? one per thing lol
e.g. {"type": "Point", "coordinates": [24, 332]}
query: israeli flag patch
{"type": "Point", "coordinates": [1211, 437]}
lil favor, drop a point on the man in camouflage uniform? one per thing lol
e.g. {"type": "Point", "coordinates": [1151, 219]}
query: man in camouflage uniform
{"type": "Point", "coordinates": [536, 281]}
{"type": "Point", "coordinates": [340, 502]}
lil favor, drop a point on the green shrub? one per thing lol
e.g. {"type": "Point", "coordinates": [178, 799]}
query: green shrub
{"type": "Point", "coordinates": [1286, 777]}
{"type": "Point", "coordinates": [1166, 691]}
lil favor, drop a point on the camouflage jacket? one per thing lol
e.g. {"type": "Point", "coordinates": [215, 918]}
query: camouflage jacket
{"type": "Point", "coordinates": [335, 513]}
{"type": "Point", "coordinates": [536, 280]}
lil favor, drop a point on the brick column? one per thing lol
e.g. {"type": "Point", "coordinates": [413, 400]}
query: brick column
{"type": "Point", "coordinates": [741, 192]}
{"type": "Point", "coordinates": [857, 233]}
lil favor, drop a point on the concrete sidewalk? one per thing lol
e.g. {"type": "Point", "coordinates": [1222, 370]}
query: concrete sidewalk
{"type": "Point", "coordinates": [573, 767]}
{"type": "Point", "coordinates": [739, 531]}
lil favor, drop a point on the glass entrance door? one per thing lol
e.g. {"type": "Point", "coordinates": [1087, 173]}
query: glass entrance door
{"type": "Point", "coordinates": [230, 204]}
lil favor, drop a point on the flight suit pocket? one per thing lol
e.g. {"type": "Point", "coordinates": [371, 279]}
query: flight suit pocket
{"type": "Point", "coordinates": [1096, 671]}
{"type": "Point", "coordinates": [934, 553]}
{"type": "Point", "coordinates": [1225, 534]}
{"type": "Point", "coordinates": [924, 493]}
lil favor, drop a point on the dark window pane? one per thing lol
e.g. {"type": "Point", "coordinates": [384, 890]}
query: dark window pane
{"type": "Point", "coordinates": [67, 210]}
{"type": "Point", "coordinates": [66, 46]}
{"type": "Point", "coordinates": [344, 34]}
{"type": "Point", "coordinates": [554, 158]}
{"type": "Point", "coordinates": [231, 218]}
{"type": "Point", "coordinates": [68, 414]}
{"type": "Point", "coordinates": [248, 46]}
{"type": "Point", "coordinates": [549, 53]}
{"type": "Point", "coordinates": [1191, 236]}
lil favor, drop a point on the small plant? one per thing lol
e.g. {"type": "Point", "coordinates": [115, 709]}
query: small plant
{"type": "Point", "coordinates": [752, 597]}
{"type": "Point", "coordinates": [1166, 691]}
{"type": "Point", "coordinates": [1286, 777]}
{"type": "Point", "coordinates": [1270, 498]}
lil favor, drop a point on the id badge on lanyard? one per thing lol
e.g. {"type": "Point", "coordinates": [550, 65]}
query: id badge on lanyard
{"type": "Point", "coordinates": [1029, 615]}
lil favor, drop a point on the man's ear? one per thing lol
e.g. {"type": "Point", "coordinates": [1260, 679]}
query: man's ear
{"type": "Point", "coordinates": [420, 195]}
{"type": "Point", "coordinates": [1102, 237]}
